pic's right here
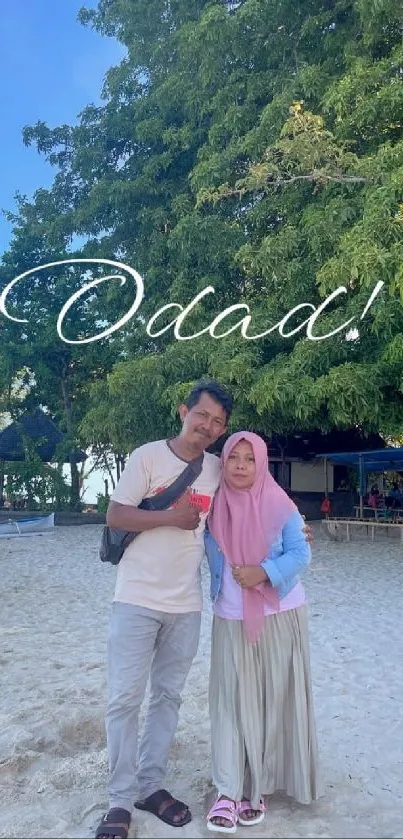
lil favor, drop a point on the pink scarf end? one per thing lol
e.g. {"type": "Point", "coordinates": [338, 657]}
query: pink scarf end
{"type": "Point", "coordinates": [253, 601]}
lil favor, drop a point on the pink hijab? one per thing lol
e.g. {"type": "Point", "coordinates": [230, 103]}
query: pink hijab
{"type": "Point", "coordinates": [245, 523]}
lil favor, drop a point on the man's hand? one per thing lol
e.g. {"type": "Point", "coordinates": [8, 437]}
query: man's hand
{"type": "Point", "coordinates": [184, 515]}
{"type": "Point", "coordinates": [249, 576]}
{"type": "Point", "coordinates": [308, 533]}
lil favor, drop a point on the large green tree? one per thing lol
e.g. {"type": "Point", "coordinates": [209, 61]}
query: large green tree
{"type": "Point", "coordinates": [255, 147]}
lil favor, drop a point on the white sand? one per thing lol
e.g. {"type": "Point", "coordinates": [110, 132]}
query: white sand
{"type": "Point", "coordinates": [55, 605]}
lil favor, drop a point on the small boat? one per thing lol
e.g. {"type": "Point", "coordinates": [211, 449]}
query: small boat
{"type": "Point", "coordinates": [27, 526]}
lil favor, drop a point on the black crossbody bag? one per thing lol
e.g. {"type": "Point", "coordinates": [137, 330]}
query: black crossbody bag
{"type": "Point", "coordinates": [114, 541]}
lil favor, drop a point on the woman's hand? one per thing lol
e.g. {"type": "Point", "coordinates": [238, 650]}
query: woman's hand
{"type": "Point", "coordinates": [249, 576]}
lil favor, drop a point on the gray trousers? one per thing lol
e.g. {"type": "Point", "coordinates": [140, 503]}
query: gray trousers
{"type": "Point", "coordinates": [143, 643]}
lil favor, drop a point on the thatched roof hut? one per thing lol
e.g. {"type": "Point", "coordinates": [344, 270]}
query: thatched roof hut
{"type": "Point", "coordinates": [40, 428]}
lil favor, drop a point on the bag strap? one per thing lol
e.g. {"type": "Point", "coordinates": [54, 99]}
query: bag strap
{"type": "Point", "coordinates": [171, 494]}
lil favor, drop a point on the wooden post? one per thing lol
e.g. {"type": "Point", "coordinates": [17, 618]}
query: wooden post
{"type": "Point", "coordinates": [361, 465]}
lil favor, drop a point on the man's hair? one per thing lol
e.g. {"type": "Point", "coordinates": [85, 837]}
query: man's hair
{"type": "Point", "coordinates": [213, 389]}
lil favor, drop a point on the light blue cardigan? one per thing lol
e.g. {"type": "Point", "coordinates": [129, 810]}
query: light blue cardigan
{"type": "Point", "coordinates": [289, 555]}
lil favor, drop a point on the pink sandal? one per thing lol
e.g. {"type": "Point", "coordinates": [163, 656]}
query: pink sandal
{"type": "Point", "coordinates": [223, 809]}
{"type": "Point", "coordinates": [244, 806]}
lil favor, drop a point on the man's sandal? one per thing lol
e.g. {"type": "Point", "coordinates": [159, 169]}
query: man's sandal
{"type": "Point", "coordinates": [223, 809]}
{"type": "Point", "coordinates": [165, 807]}
{"type": "Point", "coordinates": [246, 807]}
{"type": "Point", "coordinates": [114, 824]}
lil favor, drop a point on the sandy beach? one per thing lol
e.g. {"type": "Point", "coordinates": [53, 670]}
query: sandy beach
{"type": "Point", "coordinates": [55, 606]}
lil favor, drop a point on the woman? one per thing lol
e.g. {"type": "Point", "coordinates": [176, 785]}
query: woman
{"type": "Point", "coordinates": [261, 710]}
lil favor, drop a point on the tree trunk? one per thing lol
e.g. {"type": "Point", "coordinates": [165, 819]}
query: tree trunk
{"type": "Point", "coordinates": [75, 475]}
{"type": "Point", "coordinates": [120, 464]}
{"type": "Point", "coordinates": [283, 477]}
{"type": "Point", "coordinates": [75, 487]}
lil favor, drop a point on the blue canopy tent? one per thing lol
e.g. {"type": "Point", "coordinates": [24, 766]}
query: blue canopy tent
{"type": "Point", "coordinates": [380, 460]}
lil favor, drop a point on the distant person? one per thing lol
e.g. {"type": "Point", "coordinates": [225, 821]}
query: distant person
{"type": "Point", "coordinates": [394, 499]}
{"type": "Point", "coordinates": [375, 499]}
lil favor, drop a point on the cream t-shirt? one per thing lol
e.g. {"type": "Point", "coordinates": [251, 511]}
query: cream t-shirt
{"type": "Point", "coordinates": [160, 569]}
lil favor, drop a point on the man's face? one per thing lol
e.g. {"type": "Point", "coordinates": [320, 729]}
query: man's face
{"type": "Point", "coordinates": [203, 424]}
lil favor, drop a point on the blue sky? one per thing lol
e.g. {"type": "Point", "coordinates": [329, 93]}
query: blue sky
{"type": "Point", "coordinates": [51, 67]}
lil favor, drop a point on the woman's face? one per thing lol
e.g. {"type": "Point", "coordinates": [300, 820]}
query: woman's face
{"type": "Point", "coordinates": [240, 468]}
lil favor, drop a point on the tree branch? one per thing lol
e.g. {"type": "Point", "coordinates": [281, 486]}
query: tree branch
{"type": "Point", "coordinates": [313, 176]}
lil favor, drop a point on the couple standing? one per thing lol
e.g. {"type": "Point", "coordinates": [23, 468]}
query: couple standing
{"type": "Point", "coordinates": [262, 725]}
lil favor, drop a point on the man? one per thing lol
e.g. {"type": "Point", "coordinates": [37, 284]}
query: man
{"type": "Point", "coordinates": [157, 606]}
{"type": "Point", "coordinates": [156, 615]}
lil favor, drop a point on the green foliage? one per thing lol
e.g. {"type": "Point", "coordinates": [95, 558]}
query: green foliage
{"type": "Point", "coordinates": [41, 484]}
{"type": "Point", "coordinates": [102, 502]}
{"type": "Point", "coordinates": [256, 147]}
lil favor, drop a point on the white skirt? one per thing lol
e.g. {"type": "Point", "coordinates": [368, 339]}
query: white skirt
{"type": "Point", "coordinates": [263, 736]}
